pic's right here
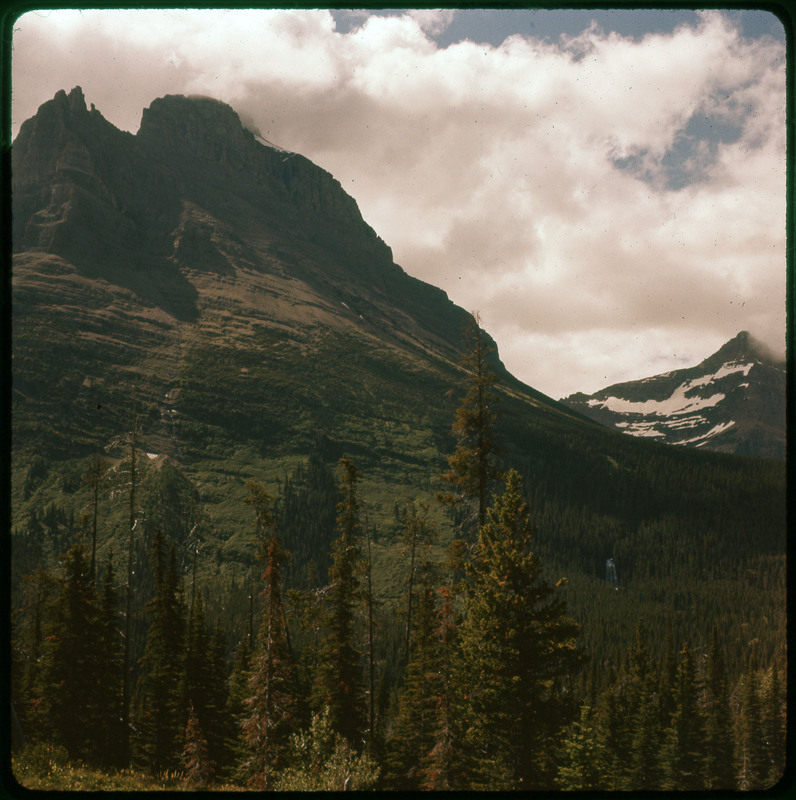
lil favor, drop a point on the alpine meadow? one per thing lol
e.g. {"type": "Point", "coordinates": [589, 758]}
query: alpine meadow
{"type": "Point", "coordinates": [281, 519]}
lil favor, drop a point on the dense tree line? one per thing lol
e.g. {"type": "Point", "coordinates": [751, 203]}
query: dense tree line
{"type": "Point", "coordinates": [479, 678]}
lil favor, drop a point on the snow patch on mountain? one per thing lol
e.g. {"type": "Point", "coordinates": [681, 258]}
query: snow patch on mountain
{"type": "Point", "coordinates": [646, 429]}
{"type": "Point", "coordinates": [698, 441]}
{"type": "Point", "coordinates": [679, 402]}
{"type": "Point", "coordinates": [676, 403]}
{"type": "Point", "coordinates": [720, 404]}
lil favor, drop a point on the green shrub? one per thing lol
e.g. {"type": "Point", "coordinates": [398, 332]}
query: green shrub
{"type": "Point", "coordinates": [322, 760]}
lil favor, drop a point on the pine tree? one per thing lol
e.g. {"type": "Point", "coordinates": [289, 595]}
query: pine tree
{"type": "Point", "coordinates": [418, 534]}
{"type": "Point", "coordinates": [271, 708]}
{"type": "Point", "coordinates": [198, 766]}
{"type": "Point", "coordinates": [413, 737]}
{"type": "Point", "coordinates": [683, 750]}
{"type": "Point", "coordinates": [447, 766]}
{"type": "Point", "coordinates": [128, 613]}
{"type": "Point", "coordinates": [614, 732]}
{"type": "Point", "coordinates": [719, 740]}
{"type": "Point", "coordinates": [93, 479]}
{"type": "Point", "coordinates": [643, 717]}
{"type": "Point", "coordinates": [374, 742]}
{"type": "Point", "coordinates": [203, 685]}
{"type": "Point", "coordinates": [163, 720]}
{"type": "Point", "coordinates": [236, 698]}
{"type": "Point", "coordinates": [271, 711]}
{"type": "Point", "coordinates": [108, 690]}
{"type": "Point", "coordinates": [39, 590]}
{"type": "Point", "coordinates": [221, 725]}
{"type": "Point", "coordinates": [584, 761]}
{"type": "Point", "coordinates": [518, 647]}
{"type": "Point", "coordinates": [471, 469]}
{"type": "Point", "coordinates": [773, 718]}
{"type": "Point", "coordinates": [69, 675]}
{"type": "Point", "coordinates": [753, 767]}
{"type": "Point", "coordinates": [339, 678]}
{"type": "Point", "coordinates": [646, 772]}
{"type": "Point", "coordinates": [668, 677]}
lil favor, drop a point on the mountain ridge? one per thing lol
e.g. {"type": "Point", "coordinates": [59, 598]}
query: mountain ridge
{"type": "Point", "coordinates": [146, 250]}
{"type": "Point", "coordinates": [732, 401]}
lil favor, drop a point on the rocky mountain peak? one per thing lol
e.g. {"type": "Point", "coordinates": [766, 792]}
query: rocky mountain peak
{"type": "Point", "coordinates": [744, 347]}
{"type": "Point", "coordinates": [204, 141]}
{"type": "Point", "coordinates": [72, 164]}
{"type": "Point", "coordinates": [75, 99]}
{"type": "Point", "coordinates": [209, 128]}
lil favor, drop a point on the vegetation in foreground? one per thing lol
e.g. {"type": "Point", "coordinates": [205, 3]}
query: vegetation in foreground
{"type": "Point", "coordinates": [485, 648]}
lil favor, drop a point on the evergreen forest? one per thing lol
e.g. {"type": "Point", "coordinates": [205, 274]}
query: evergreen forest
{"type": "Point", "coordinates": [498, 657]}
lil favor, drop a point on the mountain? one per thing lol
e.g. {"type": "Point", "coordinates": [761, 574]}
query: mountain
{"type": "Point", "coordinates": [228, 296]}
{"type": "Point", "coordinates": [233, 289]}
{"type": "Point", "coordinates": [732, 402]}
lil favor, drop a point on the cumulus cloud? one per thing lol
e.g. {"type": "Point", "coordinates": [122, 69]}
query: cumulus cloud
{"type": "Point", "coordinates": [613, 206]}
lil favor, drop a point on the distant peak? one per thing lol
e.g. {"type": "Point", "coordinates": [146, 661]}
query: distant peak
{"type": "Point", "coordinates": [745, 347]}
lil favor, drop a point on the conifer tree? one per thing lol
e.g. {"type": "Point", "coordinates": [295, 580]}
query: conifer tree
{"type": "Point", "coordinates": [753, 766]}
{"type": "Point", "coordinates": [683, 750]}
{"type": "Point", "coordinates": [40, 588]}
{"type": "Point", "coordinates": [413, 737]}
{"type": "Point", "coordinates": [719, 740]}
{"type": "Point", "coordinates": [646, 771]}
{"type": "Point", "coordinates": [614, 732]}
{"type": "Point", "coordinates": [163, 721]}
{"type": "Point", "coordinates": [643, 717]}
{"type": "Point", "coordinates": [108, 694]}
{"type": "Point", "coordinates": [128, 613]}
{"type": "Point", "coordinates": [418, 534]}
{"type": "Point", "coordinates": [373, 739]}
{"type": "Point", "coordinates": [518, 647]}
{"type": "Point", "coordinates": [71, 673]}
{"type": "Point", "coordinates": [339, 679]}
{"type": "Point", "coordinates": [583, 763]}
{"type": "Point", "coordinates": [93, 479]}
{"type": "Point", "coordinates": [220, 723]}
{"type": "Point", "coordinates": [471, 469]}
{"type": "Point", "coordinates": [271, 711]}
{"type": "Point", "coordinates": [447, 766]}
{"type": "Point", "coordinates": [668, 677]}
{"type": "Point", "coordinates": [271, 708]}
{"type": "Point", "coordinates": [236, 697]}
{"type": "Point", "coordinates": [773, 718]}
{"type": "Point", "coordinates": [198, 766]}
{"type": "Point", "coordinates": [203, 685]}
{"type": "Point", "coordinates": [196, 678]}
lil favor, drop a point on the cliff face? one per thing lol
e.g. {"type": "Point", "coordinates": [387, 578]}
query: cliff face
{"type": "Point", "coordinates": [234, 284]}
{"type": "Point", "coordinates": [198, 132]}
{"type": "Point", "coordinates": [92, 193]}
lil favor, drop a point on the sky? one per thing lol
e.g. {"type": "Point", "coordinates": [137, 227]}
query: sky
{"type": "Point", "coordinates": [606, 188]}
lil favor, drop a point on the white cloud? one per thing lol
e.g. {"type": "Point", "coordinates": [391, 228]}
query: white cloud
{"type": "Point", "coordinates": [497, 172]}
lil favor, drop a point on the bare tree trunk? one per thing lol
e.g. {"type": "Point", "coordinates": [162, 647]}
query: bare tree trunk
{"type": "Point", "coordinates": [128, 602]}
{"type": "Point", "coordinates": [371, 699]}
